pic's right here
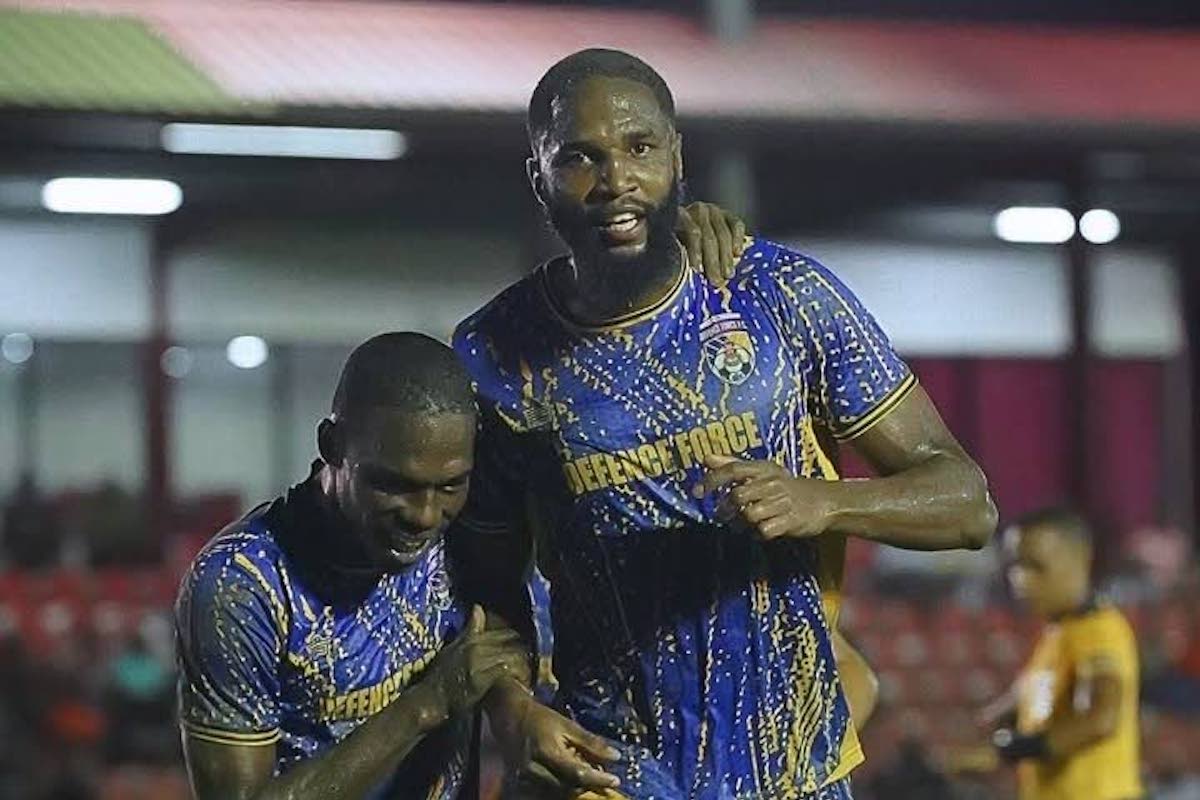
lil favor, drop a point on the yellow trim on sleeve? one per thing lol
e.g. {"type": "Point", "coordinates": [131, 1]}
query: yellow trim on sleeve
{"type": "Point", "coordinates": [218, 736]}
{"type": "Point", "coordinates": [868, 420]}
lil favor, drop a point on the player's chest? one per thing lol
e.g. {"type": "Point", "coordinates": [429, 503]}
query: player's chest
{"type": "Point", "coordinates": [724, 371]}
{"type": "Point", "coordinates": [348, 661]}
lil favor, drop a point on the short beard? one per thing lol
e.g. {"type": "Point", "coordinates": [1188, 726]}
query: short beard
{"type": "Point", "coordinates": [576, 231]}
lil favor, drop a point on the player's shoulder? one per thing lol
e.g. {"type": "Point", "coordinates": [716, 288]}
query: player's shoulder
{"type": "Point", "coordinates": [767, 264]}
{"type": "Point", "coordinates": [1105, 622]}
{"type": "Point", "coordinates": [493, 342]}
{"type": "Point", "coordinates": [1113, 618]}
{"type": "Point", "coordinates": [498, 319]}
{"type": "Point", "coordinates": [244, 556]}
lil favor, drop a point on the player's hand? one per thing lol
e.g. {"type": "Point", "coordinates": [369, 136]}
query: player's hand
{"type": "Point", "coordinates": [1013, 747]}
{"type": "Point", "coordinates": [465, 670]}
{"type": "Point", "coordinates": [541, 746]}
{"type": "Point", "coordinates": [765, 498]}
{"type": "Point", "coordinates": [714, 240]}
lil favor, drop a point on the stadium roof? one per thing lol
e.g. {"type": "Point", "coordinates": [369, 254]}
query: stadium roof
{"type": "Point", "coordinates": [214, 56]}
{"type": "Point", "coordinates": [83, 61]}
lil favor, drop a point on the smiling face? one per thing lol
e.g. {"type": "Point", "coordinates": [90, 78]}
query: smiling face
{"type": "Point", "coordinates": [402, 479]}
{"type": "Point", "coordinates": [608, 170]}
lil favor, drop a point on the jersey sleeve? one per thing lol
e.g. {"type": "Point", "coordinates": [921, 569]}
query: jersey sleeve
{"type": "Point", "coordinates": [498, 478]}
{"type": "Point", "coordinates": [854, 374]}
{"type": "Point", "coordinates": [492, 541]}
{"type": "Point", "coordinates": [499, 475]}
{"type": "Point", "coordinates": [488, 544]}
{"type": "Point", "coordinates": [229, 629]}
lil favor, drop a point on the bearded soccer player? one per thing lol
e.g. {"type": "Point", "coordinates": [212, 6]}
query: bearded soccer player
{"type": "Point", "coordinates": [1076, 703]}
{"type": "Point", "coordinates": [324, 649]}
{"type": "Point", "coordinates": [659, 433]}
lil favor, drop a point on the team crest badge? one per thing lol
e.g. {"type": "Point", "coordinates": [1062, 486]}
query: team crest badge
{"type": "Point", "coordinates": [539, 415]}
{"type": "Point", "coordinates": [728, 349]}
{"type": "Point", "coordinates": [319, 644]}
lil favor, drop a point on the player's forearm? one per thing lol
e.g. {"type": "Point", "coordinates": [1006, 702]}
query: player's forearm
{"type": "Point", "coordinates": [506, 704]}
{"type": "Point", "coordinates": [1001, 711]}
{"type": "Point", "coordinates": [1076, 732]}
{"type": "Point", "coordinates": [365, 758]}
{"type": "Point", "coordinates": [940, 504]}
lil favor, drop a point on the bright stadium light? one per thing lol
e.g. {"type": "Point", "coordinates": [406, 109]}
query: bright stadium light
{"type": "Point", "coordinates": [148, 196]}
{"type": "Point", "coordinates": [283, 141]}
{"type": "Point", "coordinates": [17, 348]}
{"type": "Point", "coordinates": [247, 352]}
{"type": "Point", "coordinates": [1100, 226]}
{"type": "Point", "coordinates": [1034, 225]}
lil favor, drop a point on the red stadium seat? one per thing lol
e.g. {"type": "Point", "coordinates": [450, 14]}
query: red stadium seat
{"type": "Point", "coordinates": [116, 585]}
{"type": "Point", "coordinates": [871, 644]}
{"type": "Point", "coordinates": [912, 649]}
{"type": "Point", "coordinates": [894, 616]}
{"type": "Point", "coordinates": [894, 688]}
{"type": "Point", "coordinates": [932, 687]}
{"type": "Point", "coordinates": [110, 620]}
{"type": "Point", "coordinates": [952, 647]}
{"type": "Point", "coordinates": [1003, 647]}
{"type": "Point", "coordinates": [58, 619]}
{"type": "Point", "coordinates": [982, 686]}
{"type": "Point", "coordinates": [10, 619]}
{"type": "Point", "coordinates": [12, 584]}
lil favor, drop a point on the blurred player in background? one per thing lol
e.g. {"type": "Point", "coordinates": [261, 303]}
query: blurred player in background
{"type": "Point", "coordinates": [663, 428]}
{"type": "Point", "coordinates": [1074, 708]}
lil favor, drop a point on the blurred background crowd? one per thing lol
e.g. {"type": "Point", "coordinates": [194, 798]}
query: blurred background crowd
{"type": "Point", "coordinates": [1013, 190]}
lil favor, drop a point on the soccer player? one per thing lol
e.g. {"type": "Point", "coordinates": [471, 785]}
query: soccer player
{"type": "Point", "coordinates": [659, 431]}
{"type": "Point", "coordinates": [323, 649]}
{"type": "Point", "coordinates": [1076, 701]}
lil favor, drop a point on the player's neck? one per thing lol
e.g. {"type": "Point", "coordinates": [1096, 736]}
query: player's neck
{"type": "Point", "coordinates": [595, 291]}
{"type": "Point", "coordinates": [1079, 606]}
{"type": "Point", "coordinates": [344, 553]}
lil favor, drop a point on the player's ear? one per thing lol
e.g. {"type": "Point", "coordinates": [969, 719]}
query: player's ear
{"type": "Point", "coordinates": [330, 442]}
{"type": "Point", "coordinates": [536, 182]}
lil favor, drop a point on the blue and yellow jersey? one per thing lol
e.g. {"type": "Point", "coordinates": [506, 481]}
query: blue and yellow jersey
{"type": "Point", "coordinates": [277, 648]}
{"type": "Point", "coordinates": [703, 652]}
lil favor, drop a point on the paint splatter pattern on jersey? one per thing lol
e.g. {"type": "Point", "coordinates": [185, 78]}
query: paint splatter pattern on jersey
{"type": "Point", "coordinates": [705, 653]}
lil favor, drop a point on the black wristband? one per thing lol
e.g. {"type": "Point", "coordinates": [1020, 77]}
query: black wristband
{"type": "Point", "coordinates": [1018, 747]}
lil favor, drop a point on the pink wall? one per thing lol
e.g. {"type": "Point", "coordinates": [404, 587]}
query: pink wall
{"type": "Point", "coordinates": [1012, 415]}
